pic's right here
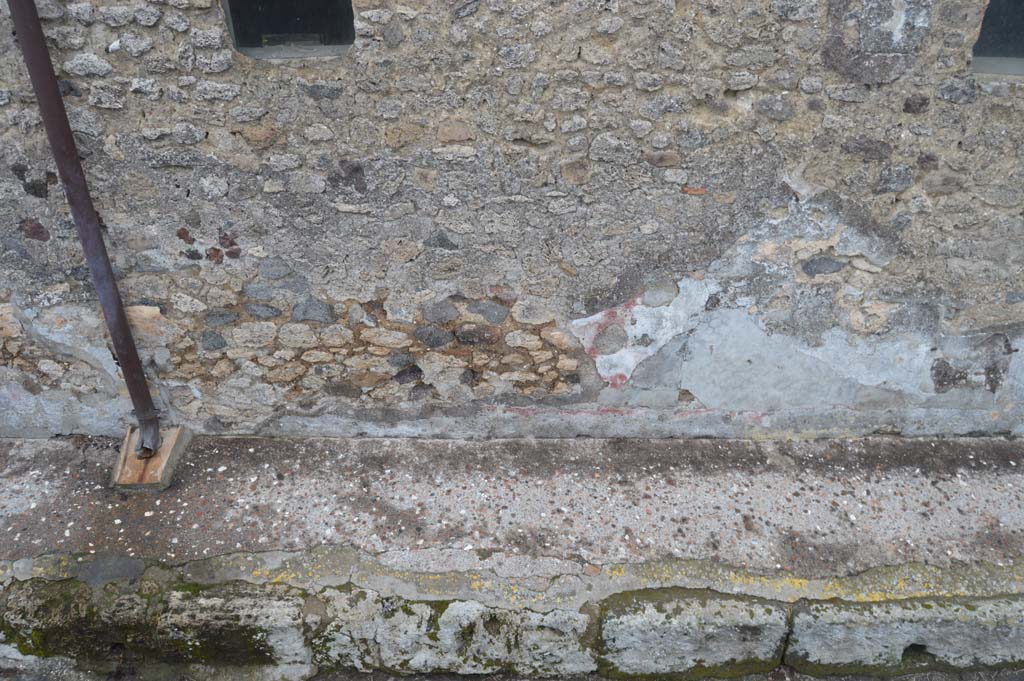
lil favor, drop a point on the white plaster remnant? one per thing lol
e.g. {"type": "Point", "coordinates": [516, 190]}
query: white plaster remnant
{"type": "Point", "coordinates": [897, 21]}
{"type": "Point", "coordinates": [648, 329]}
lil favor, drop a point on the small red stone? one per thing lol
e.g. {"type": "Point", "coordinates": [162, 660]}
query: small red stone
{"type": "Point", "coordinates": [33, 229]}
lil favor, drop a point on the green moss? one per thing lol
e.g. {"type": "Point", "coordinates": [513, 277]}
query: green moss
{"type": "Point", "coordinates": [434, 623]}
{"type": "Point", "coordinates": [242, 645]}
{"type": "Point", "coordinates": [191, 588]}
{"type": "Point", "coordinates": [33, 643]}
{"type": "Point", "coordinates": [914, 661]}
{"type": "Point", "coordinates": [466, 635]}
{"type": "Point", "coordinates": [726, 670]}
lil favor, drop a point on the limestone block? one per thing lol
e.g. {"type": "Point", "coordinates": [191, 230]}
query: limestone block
{"type": "Point", "coordinates": [907, 635]}
{"type": "Point", "coordinates": [675, 631]}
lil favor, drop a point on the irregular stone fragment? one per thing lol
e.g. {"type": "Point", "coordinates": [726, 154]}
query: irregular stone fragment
{"type": "Point", "coordinates": [336, 336]}
{"type": "Point", "coordinates": [894, 179]}
{"type": "Point", "coordinates": [878, 43]}
{"type": "Point", "coordinates": [559, 339]}
{"type": "Point", "coordinates": [523, 339]}
{"type": "Point", "coordinates": [297, 336]}
{"type": "Point", "coordinates": [274, 268]}
{"type": "Point", "coordinates": [822, 265]}
{"type": "Point", "coordinates": [466, 9]}
{"type": "Point", "coordinates": [434, 336]}
{"type": "Point", "coordinates": [776, 108]}
{"type": "Point", "coordinates": [609, 148]}
{"type": "Point", "coordinates": [440, 312]}
{"type": "Point", "coordinates": [387, 338]}
{"type": "Point", "coordinates": [262, 311]}
{"type": "Point", "coordinates": [221, 318]}
{"type": "Point", "coordinates": [313, 310]}
{"type": "Point", "coordinates": [663, 159]}
{"type": "Point", "coordinates": [493, 312]}
{"type": "Point", "coordinates": [452, 131]}
{"type": "Point", "coordinates": [87, 65]}
{"type": "Point", "coordinates": [531, 312]}
{"type": "Point", "coordinates": [212, 340]}
{"type": "Point", "coordinates": [210, 91]}
{"type": "Point", "coordinates": [916, 104]}
{"type": "Point", "coordinates": [254, 334]}
{"type": "Point", "coordinates": [34, 230]}
{"type": "Point", "coordinates": [958, 90]}
{"type": "Point", "coordinates": [460, 637]}
{"type": "Point", "coordinates": [867, 148]}
{"type": "Point", "coordinates": [661, 293]}
{"type": "Point", "coordinates": [475, 334]}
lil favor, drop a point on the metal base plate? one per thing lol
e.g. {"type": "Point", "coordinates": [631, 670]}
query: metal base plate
{"type": "Point", "coordinates": [155, 473]}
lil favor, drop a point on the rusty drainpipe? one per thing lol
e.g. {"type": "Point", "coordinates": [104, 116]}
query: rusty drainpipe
{"type": "Point", "coordinates": [62, 143]}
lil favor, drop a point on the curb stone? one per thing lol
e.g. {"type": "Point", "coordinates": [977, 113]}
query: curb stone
{"type": "Point", "coordinates": [909, 635]}
{"type": "Point", "coordinates": [676, 631]}
{"type": "Point", "coordinates": [296, 623]}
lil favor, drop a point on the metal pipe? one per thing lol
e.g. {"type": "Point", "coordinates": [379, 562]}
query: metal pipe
{"type": "Point", "coordinates": [62, 143]}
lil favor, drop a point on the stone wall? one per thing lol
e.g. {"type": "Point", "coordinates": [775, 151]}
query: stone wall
{"type": "Point", "coordinates": [766, 218]}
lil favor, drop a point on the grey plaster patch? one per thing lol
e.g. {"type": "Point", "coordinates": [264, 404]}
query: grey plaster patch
{"type": "Point", "coordinates": [111, 568]}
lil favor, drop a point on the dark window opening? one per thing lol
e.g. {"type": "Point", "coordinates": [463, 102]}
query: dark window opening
{"type": "Point", "coordinates": [291, 28]}
{"type": "Point", "coordinates": [1000, 47]}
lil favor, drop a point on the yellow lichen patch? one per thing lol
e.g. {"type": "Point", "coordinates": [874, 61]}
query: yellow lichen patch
{"type": "Point", "coordinates": [777, 582]}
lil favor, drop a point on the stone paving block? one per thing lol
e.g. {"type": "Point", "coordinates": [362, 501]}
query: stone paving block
{"type": "Point", "coordinates": [677, 631]}
{"type": "Point", "coordinates": [909, 635]}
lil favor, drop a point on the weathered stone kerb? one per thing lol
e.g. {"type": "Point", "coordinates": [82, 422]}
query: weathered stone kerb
{"type": "Point", "coordinates": [297, 615]}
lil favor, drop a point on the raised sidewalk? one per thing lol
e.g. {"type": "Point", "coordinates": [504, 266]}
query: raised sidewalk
{"type": "Point", "coordinates": [302, 558]}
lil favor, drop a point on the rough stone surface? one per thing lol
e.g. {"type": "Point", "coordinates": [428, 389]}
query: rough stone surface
{"type": "Point", "coordinates": [549, 169]}
{"type": "Point", "coordinates": [908, 635]}
{"type": "Point", "coordinates": [368, 632]}
{"type": "Point", "coordinates": [676, 633]}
